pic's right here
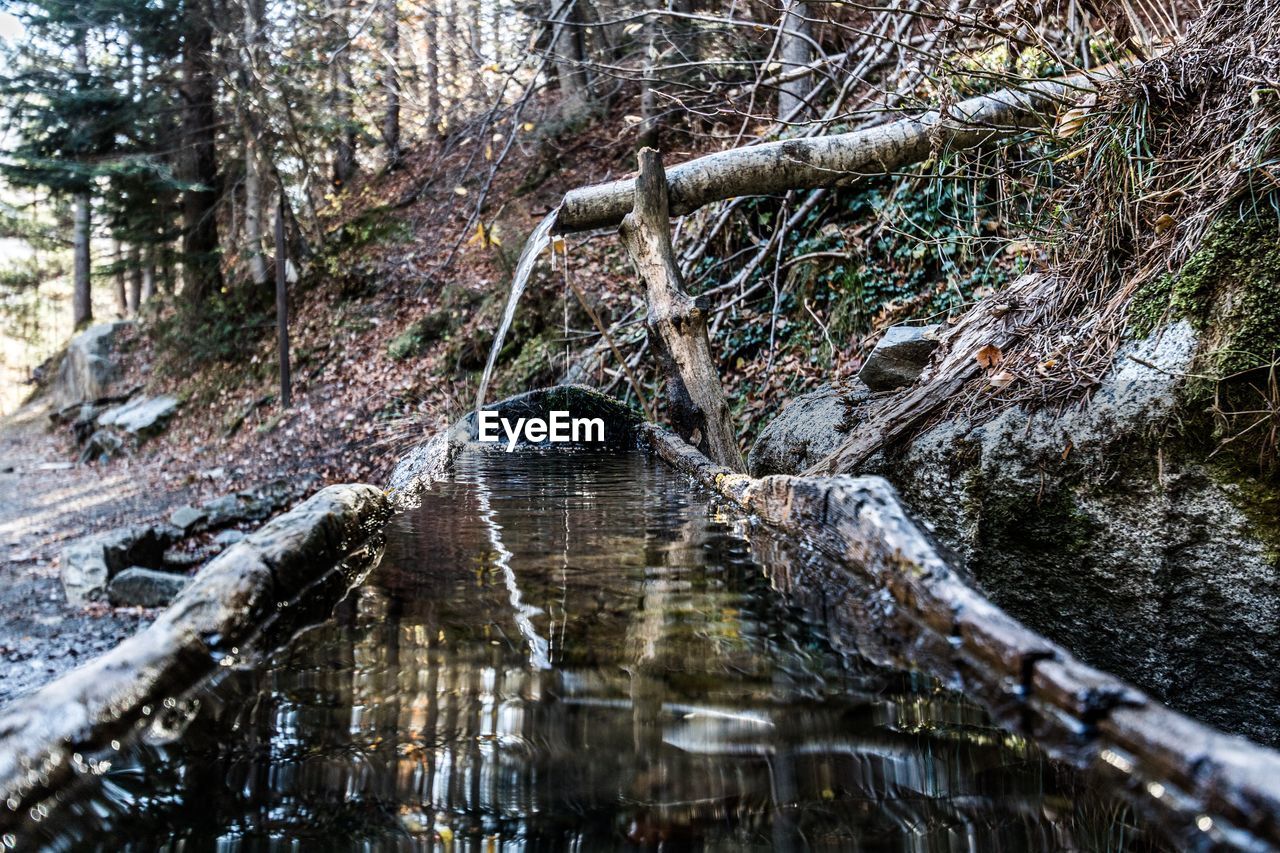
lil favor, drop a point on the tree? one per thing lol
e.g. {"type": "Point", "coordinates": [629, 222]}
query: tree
{"type": "Point", "coordinates": [202, 271]}
{"type": "Point", "coordinates": [391, 81]}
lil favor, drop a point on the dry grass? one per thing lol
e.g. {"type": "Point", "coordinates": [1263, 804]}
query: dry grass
{"type": "Point", "coordinates": [1165, 150]}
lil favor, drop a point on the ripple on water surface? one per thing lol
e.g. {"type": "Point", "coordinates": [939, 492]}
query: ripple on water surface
{"type": "Point", "coordinates": [577, 651]}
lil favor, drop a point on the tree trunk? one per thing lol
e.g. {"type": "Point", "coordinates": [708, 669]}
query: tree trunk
{"type": "Point", "coordinates": [202, 274]}
{"type": "Point", "coordinates": [253, 212]}
{"type": "Point", "coordinates": [796, 50]}
{"type": "Point", "coordinates": [149, 275]}
{"type": "Point", "coordinates": [827, 160]}
{"type": "Point", "coordinates": [649, 129]}
{"type": "Point", "coordinates": [344, 145]}
{"type": "Point", "coordinates": [82, 298]}
{"type": "Point", "coordinates": [122, 291]}
{"type": "Point", "coordinates": [252, 162]}
{"type": "Point", "coordinates": [433, 72]}
{"type": "Point", "coordinates": [476, 60]}
{"type": "Point", "coordinates": [677, 324]}
{"type": "Point", "coordinates": [135, 281]}
{"type": "Point", "coordinates": [391, 80]}
{"type": "Point", "coordinates": [567, 54]}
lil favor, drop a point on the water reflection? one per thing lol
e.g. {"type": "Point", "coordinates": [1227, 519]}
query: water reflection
{"type": "Point", "coordinates": [575, 652]}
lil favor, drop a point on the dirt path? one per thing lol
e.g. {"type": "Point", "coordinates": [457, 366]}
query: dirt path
{"type": "Point", "coordinates": [44, 504]}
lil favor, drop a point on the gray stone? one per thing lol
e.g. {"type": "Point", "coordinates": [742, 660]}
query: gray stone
{"type": "Point", "coordinates": [139, 587]}
{"type": "Point", "coordinates": [186, 518]}
{"type": "Point", "coordinates": [228, 537]}
{"type": "Point", "coordinates": [141, 417]}
{"type": "Point", "coordinates": [805, 431]}
{"type": "Point", "coordinates": [899, 357]}
{"type": "Point", "coordinates": [102, 445]}
{"type": "Point", "coordinates": [89, 367]}
{"type": "Point", "coordinates": [87, 564]}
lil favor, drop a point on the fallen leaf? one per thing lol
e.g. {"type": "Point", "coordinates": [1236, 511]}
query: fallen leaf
{"type": "Point", "coordinates": [989, 356]}
{"type": "Point", "coordinates": [1003, 379]}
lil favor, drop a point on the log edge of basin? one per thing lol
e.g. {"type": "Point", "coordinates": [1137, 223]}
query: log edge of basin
{"type": "Point", "coordinates": [48, 738]}
{"type": "Point", "coordinates": [1215, 789]}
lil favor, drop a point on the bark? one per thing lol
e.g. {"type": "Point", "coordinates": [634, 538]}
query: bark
{"type": "Point", "coordinates": [825, 161]}
{"type": "Point", "coordinates": [252, 161]}
{"type": "Point", "coordinates": [677, 324]}
{"type": "Point", "coordinates": [149, 276]}
{"type": "Point", "coordinates": [253, 212]}
{"type": "Point", "coordinates": [135, 281]}
{"type": "Point", "coordinates": [477, 53]}
{"type": "Point", "coordinates": [344, 143]}
{"type": "Point", "coordinates": [391, 80]}
{"type": "Point", "coordinates": [433, 72]}
{"type": "Point", "coordinates": [796, 50]}
{"type": "Point", "coordinates": [990, 323]}
{"type": "Point", "coordinates": [122, 292]}
{"type": "Point", "coordinates": [567, 55]}
{"type": "Point", "coordinates": [202, 275]}
{"type": "Point", "coordinates": [82, 298]}
{"type": "Point", "coordinates": [649, 128]}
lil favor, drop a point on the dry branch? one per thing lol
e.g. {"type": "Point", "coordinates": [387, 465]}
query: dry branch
{"type": "Point", "coordinates": [677, 324]}
{"type": "Point", "coordinates": [827, 160]}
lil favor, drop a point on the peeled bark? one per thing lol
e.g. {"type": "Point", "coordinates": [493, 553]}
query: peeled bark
{"type": "Point", "coordinates": [677, 324]}
{"type": "Point", "coordinates": [827, 160]}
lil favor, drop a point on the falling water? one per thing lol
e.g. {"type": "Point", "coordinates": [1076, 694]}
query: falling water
{"type": "Point", "coordinates": [533, 247]}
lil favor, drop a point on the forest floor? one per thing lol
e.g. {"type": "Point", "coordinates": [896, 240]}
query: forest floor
{"type": "Point", "coordinates": [45, 503]}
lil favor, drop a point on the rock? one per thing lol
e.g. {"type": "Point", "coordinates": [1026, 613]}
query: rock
{"type": "Point", "coordinates": [102, 445]}
{"type": "Point", "coordinates": [186, 518]}
{"type": "Point", "coordinates": [89, 367]}
{"type": "Point", "coordinates": [89, 563]}
{"type": "Point", "coordinates": [142, 417]}
{"type": "Point", "coordinates": [140, 587]}
{"type": "Point", "coordinates": [228, 537]}
{"type": "Point", "coordinates": [804, 431]}
{"type": "Point", "coordinates": [899, 357]}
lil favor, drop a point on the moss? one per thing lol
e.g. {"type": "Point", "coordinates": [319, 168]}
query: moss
{"type": "Point", "coordinates": [533, 367]}
{"type": "Point", "coordinates": [415, 339]}
{"type": "Point", "coordinates": [1258, 500]}
{"type": "Point", "coordinates": [1230, 289]}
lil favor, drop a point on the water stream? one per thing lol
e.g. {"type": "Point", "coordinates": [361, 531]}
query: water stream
{"type": "Point", "coordinates": [538, 240]}
{"type": "Point", "coordinates": [578, 651]}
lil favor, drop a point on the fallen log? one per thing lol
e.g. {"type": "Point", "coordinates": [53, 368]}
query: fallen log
{"type": "Point", "coordinates": [56, 735]}
{"type": "Point", "coordinates": [886, 592]}
{"type": "Point", "coordinates": [826, 161]}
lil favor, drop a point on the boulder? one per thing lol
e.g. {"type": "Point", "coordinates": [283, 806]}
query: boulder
{"type": "Point", "coordinates": [89, 563]}
{"type": "Point", "coordinates": [89, 367]}
{"type": "Point", "coordinates": [805, 431]}
{"type": "Point", "coordinates": [140, 587]}
{"type": "Point", "coordinates": [899, 357]}
{"type": "Point", "coordinates": [187, 518]}
{"type": "Point", "coordinates": [102, 445]}
{"type": "Point", "coordinates": [141, 417]}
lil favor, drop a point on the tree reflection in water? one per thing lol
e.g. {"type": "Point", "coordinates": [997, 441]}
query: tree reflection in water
{"type": "Point", "coordinates": [576, 651]}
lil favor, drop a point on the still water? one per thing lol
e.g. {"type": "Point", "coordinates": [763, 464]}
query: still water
{"type": "Point", "coordinates": [577, 651]}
